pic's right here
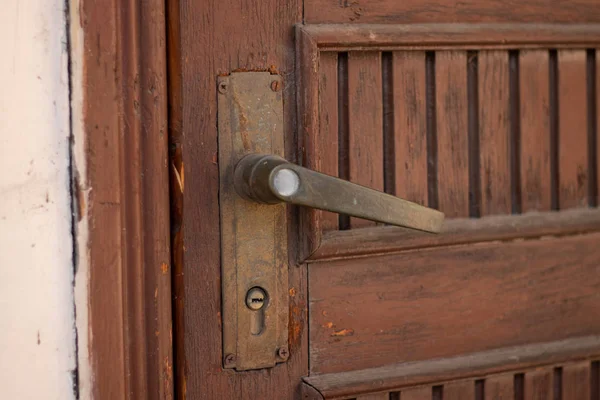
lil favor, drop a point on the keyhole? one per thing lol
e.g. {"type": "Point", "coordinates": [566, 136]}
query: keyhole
{"type": "Point", "coordinates": [256, 300]}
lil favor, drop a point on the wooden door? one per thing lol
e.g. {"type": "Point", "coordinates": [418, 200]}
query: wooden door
{"type": "Point", "coordinates": [484, 109]}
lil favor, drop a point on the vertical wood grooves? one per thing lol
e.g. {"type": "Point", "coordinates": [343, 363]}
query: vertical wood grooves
{"type": "Point", "coordinates": [480, 389]}
{"type": "Point", "coordinates": [343, 128]}
{"type": "Point", "coordinates": [515, 132]}
{"type": "Point", "coordinates": [389, 170]}
{"type": "Point", "coordinates": [519, 386]}
{"type": "Point", "coordinates": [595, 380]}
{"type": "Point", "coordinates": [592, 127]}
{"type": "Point", "coordinates": [557, 382]}
{"type": "Point", "coordinates": [437, 392]}
{"type": "Point", "coordinates": [430, 101]}
{"type": "Point", "coordinates": [473, 126]}
{"type": "Point", "coordinates": [554, 104]}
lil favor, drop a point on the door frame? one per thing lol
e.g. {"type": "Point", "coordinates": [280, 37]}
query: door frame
{"type": "Point", "coordinates": [120, 193]}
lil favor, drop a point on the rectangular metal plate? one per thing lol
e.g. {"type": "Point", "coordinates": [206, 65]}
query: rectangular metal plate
{"type": "Point", "coordinates": [253, 236]}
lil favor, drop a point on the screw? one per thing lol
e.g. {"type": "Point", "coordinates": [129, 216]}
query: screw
{"type": "Point", "coordinates": [222, 87]}
{"type": "Point", "coordinates": [275, 86]}
{"type": "Point", "coordinates": [283, 352]}
{"type": "Point", "coordinates": [256, 298]}
{"type": "Point", "coordinates": [229, 360]}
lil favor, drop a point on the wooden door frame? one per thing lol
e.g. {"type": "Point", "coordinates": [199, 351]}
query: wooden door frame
{"type": "Point", "coordinates": [123, 196]}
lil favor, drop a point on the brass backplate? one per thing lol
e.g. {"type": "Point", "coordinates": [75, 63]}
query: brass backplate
{"type": "Point", "coordinates": [253, 236]}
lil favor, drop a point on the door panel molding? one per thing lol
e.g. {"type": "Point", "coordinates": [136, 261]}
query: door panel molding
{"type": "Point", "coordinates": [336, 245]}
{"type": "Point", "coordinates": [532, 360]}
{"type": "Point", "coordinates": [532, 122]}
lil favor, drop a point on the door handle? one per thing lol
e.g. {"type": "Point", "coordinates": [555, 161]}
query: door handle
{"type": "Point", "coordinates": [270, 179]}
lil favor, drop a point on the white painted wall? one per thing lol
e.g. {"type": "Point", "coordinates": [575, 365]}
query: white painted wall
{"type": "Point", "coordinates": [37, 336]}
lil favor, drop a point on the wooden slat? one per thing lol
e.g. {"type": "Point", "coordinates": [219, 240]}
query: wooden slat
{"type": "Point", "coordinates": [365, 123]}
{"type": "Point", "coordinates": [410, 126]}
{"type": "Point", "coordinates": [374, 396]}
{"type": "Point", "coordinates": [326, 152]}
{"type": "Point", "coordinates": [538, 384]}
{"type": "Point", "coordinates": [474, 11]}
{"type": "Point", "coordinates": [500, 387]}
{"type": "Point", "coordinates": [470, 366]}
{"type": "Point", "coordinates": [576, 381]}
{"type": "Point", "coordinates": [452, 133]}
{"type": "Point", "coordinates": [420, 393]}
{"type": "Point", "coordinates": [511, 293]}
{"type": "Point", "coordinates": [535, 130]}
{"type": "Point", "coordinates": [380, 240]}
{"type": "Point", "coordinates": [460, 390]}
{"type": "Point", "coordinates": [597, 88]}
{"type": "Point", "coordinates": [572, 132]}
{"type": "Point", "coordinates": [493, 83]}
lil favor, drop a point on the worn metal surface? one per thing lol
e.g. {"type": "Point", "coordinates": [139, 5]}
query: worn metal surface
{"type": "Point", "coordinates": [256, 174]}
{"type": "Point", "coordinates": [253, 236]}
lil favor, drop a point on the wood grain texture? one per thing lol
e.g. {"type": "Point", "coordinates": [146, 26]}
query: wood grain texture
{"type": "Point", "coordinates": [420, 393]}
{"type": "Point", "coordinates": [326, 152]}
{"type": "Point", "coordinates": [207, 41]}
{"type": "Point", "coordinates": [365, 123]}
{"type": "Point", "coordinates": [452, 133]}
{"type": "Point", "coordinates": [125, 198]}
{"type": "Point", "coordinates": [572, 133]}
{"type": "Point", "coordinates": [411, 11]}
{"type": "Point", "coordinates": [366, 313]}
{"type": "Point", "coordinates": [499, 387]}
{"type": "Point", "coordinates": [467, 367]}
{"type": "Point", "coordinates": [381, 240]}
{"type": "Point", "coordinates": [576, 381]}
{"type": "Point", "coordinates": [410, 126]}
{"type": "Point", "coordinates": [534, 131]}
{"type": "Point", "coordinates": [538, 384]}
{"type": "Point", "coordinates": [374, 396]}
{"type": "Point", "coordinates": [459, 390]}
{"type": "Point", "coordinates": [493, 84]}
{"type": "Point", "coordinates": [597, 88]}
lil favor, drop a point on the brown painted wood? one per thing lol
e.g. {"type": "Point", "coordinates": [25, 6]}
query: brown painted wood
{"type": "Point", "coordinates": [572, 134]}
{"type": "Point", "coordinates": [493, 84]}
{"type": "Point", "coordinates": [409, 374]}
{"type": "Point", "coordinates": [538, 384]}
{"type": "Point", "coordinates": [434, 36]}
{"type": "Point", "coordinates": [499, 387]}
{"type": "Point", "coordinates": [207, 42]}
{"type": "Point", "coordinates": [124, 198]}
{"type": "Point", "coordinates": [460, 390]}
{"type": "Point", "coordinates": [576, 381]}
{"type": "Point", "coordinates": [420, 393]}
{"type": "Point", "coordinates": [390, 11]}
{"type": "Point", "coordinates": [351, 301]}
{"type": "Point", "coordinates": [365, 140]}
{"type": "Point", "coordinates": [327, 147]}
{"type": "Point", "coordinates": [534, 130]}
{"type": "Point", "coordinates": [452, 133]}
{"type": "Point", "coordinates": [381, 240]}
{"type": "Point", "coordinates": [374, 396]}
{"type": "Point", "coordinates": [410, 126]}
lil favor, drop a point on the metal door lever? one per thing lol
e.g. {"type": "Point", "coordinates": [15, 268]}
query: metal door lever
{"type": "Point", "coordinates": [271, 179]}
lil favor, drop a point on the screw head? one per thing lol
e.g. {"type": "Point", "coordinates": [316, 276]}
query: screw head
{"type": "Point", "coordinates": [223, 87]}
{"type": "Point", "coordinates": [283, 352]}
{"type": "Point", "coordinates": [275, 86]}
{"type": "Point", "coordinates": [229, 360]}
{"type": "Point", "coordinates": [256, 298]}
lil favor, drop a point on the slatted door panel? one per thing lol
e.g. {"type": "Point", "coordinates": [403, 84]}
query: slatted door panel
{"type": "Point", "coordinates": [570, 381]}
{"type": "Point", "coordinates": [472, 133]}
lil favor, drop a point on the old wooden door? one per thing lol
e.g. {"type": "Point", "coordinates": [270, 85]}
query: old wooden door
{"type": "Point", "coordinates": [486, 110]}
